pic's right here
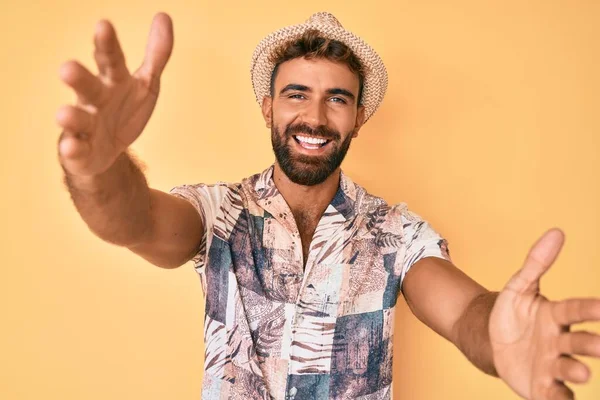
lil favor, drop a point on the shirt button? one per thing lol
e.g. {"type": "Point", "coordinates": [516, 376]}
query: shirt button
{"type": "Point", "coordinates": [292, 393]}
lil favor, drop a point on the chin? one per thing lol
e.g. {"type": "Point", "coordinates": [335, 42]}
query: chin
{"type": "Point", "coordinates": [305, 173]}
{"type": "Point", "coordinates": [308, 167]}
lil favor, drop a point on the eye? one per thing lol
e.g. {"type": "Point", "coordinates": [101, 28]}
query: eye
{"type": "Point", "coordinates": [338, 100]}
{"type": "Point", "coordinates": [296, 96]}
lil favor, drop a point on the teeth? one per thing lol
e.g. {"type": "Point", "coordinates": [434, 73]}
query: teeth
{"type": "Point", "coordinates": [310, 140]}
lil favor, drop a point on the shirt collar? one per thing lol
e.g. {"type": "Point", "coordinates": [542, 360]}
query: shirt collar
{"type": "Point", "coordinates": [344, 201]}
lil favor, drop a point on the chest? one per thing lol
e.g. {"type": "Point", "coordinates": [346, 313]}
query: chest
{"type": "Point", "coordinates": [307, 224]}
{"type": "Point", "coordinates": [333, 318]}
{"type": "Point", "coordinates": [319, 262]}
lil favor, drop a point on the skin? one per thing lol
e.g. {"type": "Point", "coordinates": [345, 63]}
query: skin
{"type": "Point", "coordinates": [516, 334]}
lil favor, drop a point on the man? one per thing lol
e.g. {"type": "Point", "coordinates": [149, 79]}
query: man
{"type": "Point", "coordinates": [300, 266]}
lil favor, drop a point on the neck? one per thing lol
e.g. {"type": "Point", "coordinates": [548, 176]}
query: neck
{"type": "Point", "coordinates": [306, 199]}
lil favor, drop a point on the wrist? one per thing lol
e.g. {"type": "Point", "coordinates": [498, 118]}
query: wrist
{"type": "Point", "coordinates": [98, 183]}
{"type": "Point", "coordinates": [471, 332]}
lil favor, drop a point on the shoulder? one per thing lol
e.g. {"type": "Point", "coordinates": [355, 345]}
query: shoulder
{"type": "Point", "coordinates": [210, 190]}
{"type": "Point", "coordinates": [397, 218]}
{"type": "Point", "coordinates": [368, 204]}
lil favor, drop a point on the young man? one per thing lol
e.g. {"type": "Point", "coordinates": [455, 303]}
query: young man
{"type": "Point", "coordinates": [300, 266]}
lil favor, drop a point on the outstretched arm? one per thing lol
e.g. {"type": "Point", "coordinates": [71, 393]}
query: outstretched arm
{"type": "Point", "coordinates": [108, 188]}
{"type": "Point", "coordinates": [517, 334]}
{"type": "Point", "coordinates": [453, 305]}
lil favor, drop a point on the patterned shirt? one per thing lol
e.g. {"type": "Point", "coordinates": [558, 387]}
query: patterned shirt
{"type": "Point", "coordinates": [276, 329]}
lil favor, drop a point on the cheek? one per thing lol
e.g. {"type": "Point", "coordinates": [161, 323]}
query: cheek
{"type": "Point", "coordinates": [285, 114]}
{"type": "Point", "coordinates": [281, 119]}
{"type": "Point", "coordinates": [344, 121]}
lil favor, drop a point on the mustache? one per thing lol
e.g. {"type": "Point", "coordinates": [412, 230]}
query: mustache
{"type": "Point", "coordinates": [321, 131]}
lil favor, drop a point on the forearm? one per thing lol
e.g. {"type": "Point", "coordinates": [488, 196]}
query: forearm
{"type": "Point", "coordinates": [472, 333]}
{"type": "Point", "coordinates": [116, 204]}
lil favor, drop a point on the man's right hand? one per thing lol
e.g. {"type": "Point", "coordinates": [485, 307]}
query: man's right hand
{"type": "Point", "coordinates": [107, 187]}
{"type": "Point", "coordinates": [113, 107]}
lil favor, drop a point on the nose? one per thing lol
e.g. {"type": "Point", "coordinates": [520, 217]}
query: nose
{"type": "Point", "coordinates": [315, 113]}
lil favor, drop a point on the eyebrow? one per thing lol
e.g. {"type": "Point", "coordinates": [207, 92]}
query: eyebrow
{"type": "Point", "coordinates": [295, 86]}
{"type": "Point", "coordinates": [341, 91]}
{"type": "Point", "coordinates": [304, 88]}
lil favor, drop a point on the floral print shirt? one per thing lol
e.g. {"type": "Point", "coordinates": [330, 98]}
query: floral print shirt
{"type": "Point", "coordinates": [276, 328]}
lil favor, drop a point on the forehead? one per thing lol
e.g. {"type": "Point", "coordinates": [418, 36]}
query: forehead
{"type": "Point", "coordinates": [319, 73]}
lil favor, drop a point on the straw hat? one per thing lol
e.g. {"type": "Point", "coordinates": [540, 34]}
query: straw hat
{"type": "Point", "coordinates": [375, 82]}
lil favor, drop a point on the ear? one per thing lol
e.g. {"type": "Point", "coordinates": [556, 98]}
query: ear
{"type": "Point", "coordinates": [267, 110]}
{"type": "Point", "coordinates": [360, 120]}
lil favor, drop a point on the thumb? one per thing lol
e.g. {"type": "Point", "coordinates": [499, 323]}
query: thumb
{"type": "Point", "coordinates": [159, 48]}
{"type": "Point", "coordinates": [541, 256]}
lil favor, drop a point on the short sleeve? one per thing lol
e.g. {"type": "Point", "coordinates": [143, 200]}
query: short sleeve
{"type": "Point", "coordinates": [421, 241]}
{"type": "Point", "coordinates": [207, 200]}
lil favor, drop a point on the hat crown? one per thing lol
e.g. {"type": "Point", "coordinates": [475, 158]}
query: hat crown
{"type": "Point", "coordinates": [323, 18]}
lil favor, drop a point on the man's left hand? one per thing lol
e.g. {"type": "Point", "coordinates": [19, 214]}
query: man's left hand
{"type": "Point", "coordinates": [530, 335]}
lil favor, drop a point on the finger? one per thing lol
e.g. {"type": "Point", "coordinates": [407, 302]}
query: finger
{"type": "Point", "coordinates": [158, 50]}
{"type": "Point", "coordinates": [108, 54]}
{"type": "Point", "coordinates": [89, 88]}
{"type": "Point", "coordinates": [579, 343]}
{"type": "Point", "coordinates": [559, 391]}
{"type": "Point", "coordinates": [72, 147]}
{"type": "Point", "coordinates": [574, 311]}
{"type": "Point", "coordinates": [541, 256]}
{"type": "Point", "coordinates": [74, 119]}
{"type": "Point", "coordinates": [569, 369]}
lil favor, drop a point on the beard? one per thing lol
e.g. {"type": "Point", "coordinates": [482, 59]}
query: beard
{"type": "Point", "coordinates": [308, 170]}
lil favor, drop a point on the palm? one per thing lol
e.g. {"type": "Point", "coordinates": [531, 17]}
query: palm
{"type": "Point", "coordinates": [113, 107]}
{"type": "Point", "coordinates": [513, 327]}
{"type": "Point", "coordinates": [530, 336]}
{"type": "Point", "coordinates": [121, 120]}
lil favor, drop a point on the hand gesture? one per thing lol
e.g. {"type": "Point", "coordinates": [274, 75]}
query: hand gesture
{"type": "Point", "coordinates": [530, 336]}
{"type": "Point", "coordinates": [114, 106]}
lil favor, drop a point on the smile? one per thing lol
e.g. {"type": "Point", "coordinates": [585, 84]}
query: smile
{"type": "Point", "coordinates": [311, 143]}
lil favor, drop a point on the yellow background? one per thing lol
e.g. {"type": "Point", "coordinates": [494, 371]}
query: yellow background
{"type": "Point", "coordinates": [489, 130]}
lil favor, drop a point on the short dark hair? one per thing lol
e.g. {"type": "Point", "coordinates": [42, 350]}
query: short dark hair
{"type": "Point", "coordinates": [312, 45]}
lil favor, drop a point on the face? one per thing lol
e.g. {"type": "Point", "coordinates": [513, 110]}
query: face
{"type": "Point", "coordinates": [313, 117]}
